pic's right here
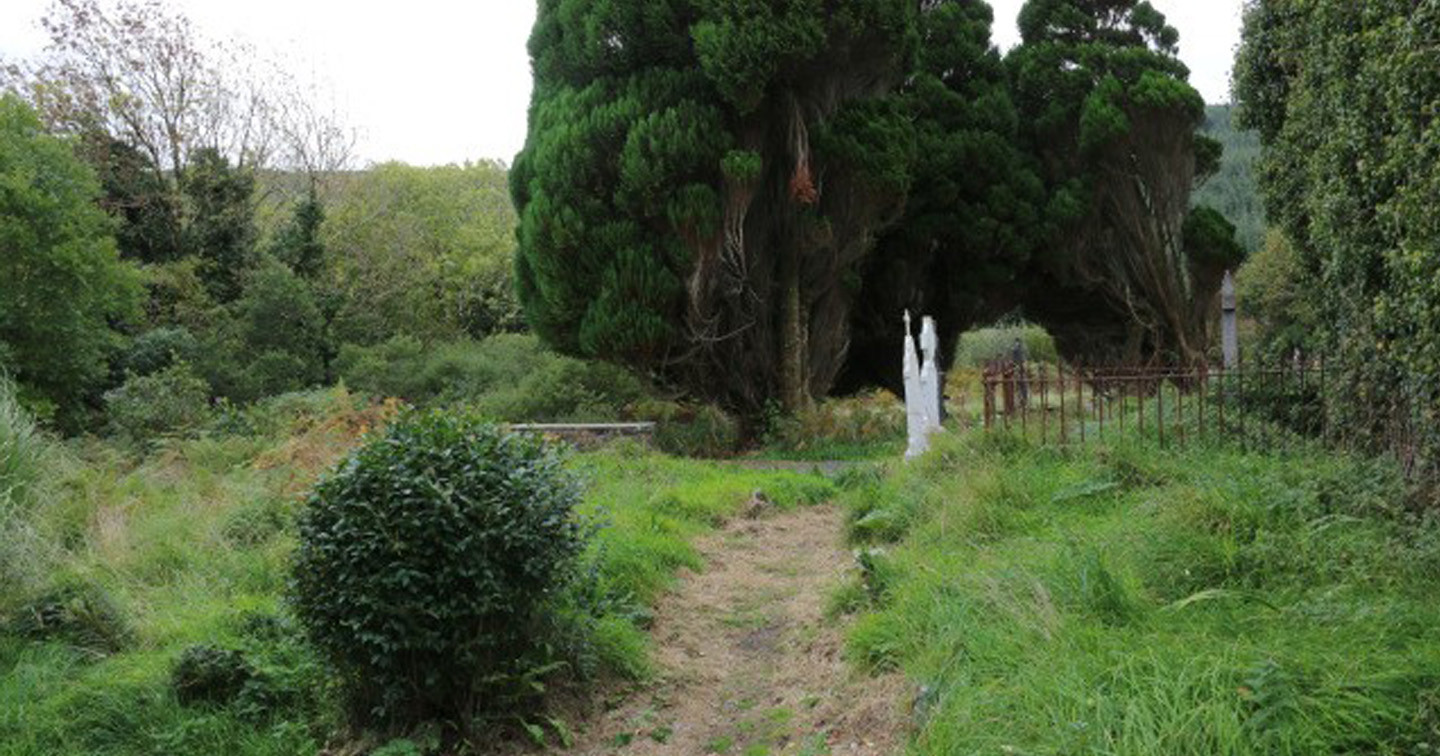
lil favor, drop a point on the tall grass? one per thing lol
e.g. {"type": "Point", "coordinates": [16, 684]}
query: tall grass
{"type": "Point", "coordinates": [23, 461]}
{"type": "Point", "coordinates": [1123, 599]}
{"type": "Point", "coordinates": [189, 544]}
{"type": "Point", "coordinates": [21, 452]}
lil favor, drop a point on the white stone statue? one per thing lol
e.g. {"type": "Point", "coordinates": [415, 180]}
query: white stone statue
{"type": "Point", "coordinates": [930, 389]}
{"type": "Point", "coordinates": [922, 386]}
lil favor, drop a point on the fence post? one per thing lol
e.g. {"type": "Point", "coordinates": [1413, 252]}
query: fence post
{"type": "Point", "coordinates": [1060, 382]}
{"type": "Point", "coordinates": [1230, 334]}
{"type": "Point", "coordinates": [1044, 404]}
{"type": "Point", "coordinates": [1160, 409]}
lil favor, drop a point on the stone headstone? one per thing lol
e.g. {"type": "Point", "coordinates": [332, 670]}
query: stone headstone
{"type": "Point", "coordinates": [1229, 328]}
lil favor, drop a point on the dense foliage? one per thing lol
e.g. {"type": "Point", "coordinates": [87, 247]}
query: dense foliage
{"type": "Point", "coordinates": [1234, 189]}
{"type": "Point", "coordinates": [61, 279]}
{"type": "Point", "coordinates": [424, 252]}
{"type": "Point", "coordinates": [425, 562]}
{"type": "Point", "coordinates": [1110, 119]}
{"type": "Point", "coordinates": [742, 199]}
{"type": "Point", "coordinates": [701, 178]}
{"type": "Point", "coordinates": [975, 213]}
{"type": "Point", "coordinates": [1343, 96]}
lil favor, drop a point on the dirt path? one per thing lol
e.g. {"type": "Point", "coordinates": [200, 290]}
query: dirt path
{"type": "Point", "coordinates": [749, 665]}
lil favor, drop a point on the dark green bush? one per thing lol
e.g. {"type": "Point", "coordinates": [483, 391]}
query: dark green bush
{"type": "Point", "coordinates": [207, 674]}
{"type": "Point", "coordinates": [387, 369]}
{"type": "Point", "coordinates": [171, 401]}
{"type": "Point", "coordinates": [426, 562]}
{"type": "Point", "coordinates": [158, 349]}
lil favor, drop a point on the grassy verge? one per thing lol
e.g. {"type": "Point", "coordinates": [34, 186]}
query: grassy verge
{"type": "Point", "coordinates": [1122, 599]}
{"type": "Point", "coordinates": [139, 556]}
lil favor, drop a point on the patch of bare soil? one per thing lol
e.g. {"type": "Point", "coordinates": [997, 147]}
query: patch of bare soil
{"type": "Point", "coordinates": [749, 665]}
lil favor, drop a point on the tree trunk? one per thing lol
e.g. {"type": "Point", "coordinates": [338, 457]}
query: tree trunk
{"type": "Point", "coordinates": [794, 341]}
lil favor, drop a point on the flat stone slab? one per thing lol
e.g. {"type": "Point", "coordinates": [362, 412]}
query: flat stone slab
{"type": "Point", "coordinates": [630, 429]}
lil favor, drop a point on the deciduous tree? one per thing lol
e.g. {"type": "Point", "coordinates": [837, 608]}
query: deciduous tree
{"type": "Point", "coordinates": [61, 280]}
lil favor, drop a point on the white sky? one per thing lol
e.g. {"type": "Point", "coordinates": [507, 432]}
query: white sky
{"type": "Point", "coordinates": [438, 81]}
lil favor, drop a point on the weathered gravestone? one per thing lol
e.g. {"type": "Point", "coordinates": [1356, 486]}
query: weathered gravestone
{"type": "Point", "coordinates": [922, 386]}
{"type": "Point", "coordinates": [1229, 333]}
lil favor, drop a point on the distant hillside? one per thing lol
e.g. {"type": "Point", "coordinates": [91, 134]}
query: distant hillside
{"type": "Point", "coordinates": [1233, 190]}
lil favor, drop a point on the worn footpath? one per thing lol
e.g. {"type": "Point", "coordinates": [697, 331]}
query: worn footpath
{"type": "Point", "coordinates": [748, 663]}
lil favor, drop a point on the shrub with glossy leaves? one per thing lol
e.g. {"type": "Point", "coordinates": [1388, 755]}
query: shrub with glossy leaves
{"type": "Point", "coordinates": [426, 564]}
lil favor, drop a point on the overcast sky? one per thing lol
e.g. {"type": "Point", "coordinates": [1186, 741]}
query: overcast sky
{"type": "Point", "coordinates": [437, 81]}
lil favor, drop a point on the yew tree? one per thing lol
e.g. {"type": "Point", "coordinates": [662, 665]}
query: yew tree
{"type": "Point", "coordinates": [1111, 120]}
{"type": "Point", "coordinates": [975, 211]}
{"type": "Point", "coordinates": [703, 180]}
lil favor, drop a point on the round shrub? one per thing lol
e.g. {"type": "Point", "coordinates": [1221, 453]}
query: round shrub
{"type": "Point", "coordinates": [207, 674]}
{"type": "Point", "coordinates": [426, 561]}
{"type": "Point", "coordinates": [171, 401]}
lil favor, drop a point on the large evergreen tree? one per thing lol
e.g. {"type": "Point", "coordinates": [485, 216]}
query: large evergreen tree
{"type": "Point", "coordinates": [703, 180]}
{"type": "Point", "coordinates": [1112, 122]}
{"type": "Point", "coordinates": [742, 197]}
{"type": "Point", "coordinates": [975, 211]}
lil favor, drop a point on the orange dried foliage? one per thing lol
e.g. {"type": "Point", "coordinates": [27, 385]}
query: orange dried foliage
{"type": "Point", "coordinates": [318, 445]}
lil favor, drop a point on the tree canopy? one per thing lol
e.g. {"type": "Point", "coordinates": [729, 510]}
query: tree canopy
{"type": "Point", "coordinates": [741, 197]}
{"type": "Point", "coordinates": [424, 252]}
{"type": "Point", "coordinates": [701, 178]}
{"type": "Point", "coordinates": [1112, 121]}
{"type": "Point", "coordinates": [61, 279]}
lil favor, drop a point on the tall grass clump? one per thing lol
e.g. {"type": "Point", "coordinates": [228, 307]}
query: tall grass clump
{"type": "Point", "coordinates": [1124, 598]}
{"type": "Point", "coordinates": [22, 478]}
{"type": "Point", "coordinates": [21, 453]}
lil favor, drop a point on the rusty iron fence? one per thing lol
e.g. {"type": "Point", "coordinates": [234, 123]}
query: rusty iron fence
{"type": "Point", "coordinates": [1253, 404]}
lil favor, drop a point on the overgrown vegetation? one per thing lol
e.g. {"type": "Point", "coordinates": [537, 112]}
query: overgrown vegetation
{"type": "Point", "coordinates": [725, 193]}
{"type": "Point", "coordinates": [142, 605]}
{"type": "Point", "coordinates": [1343, 95]}
{"type": "Point", "coordinates": [1123, 599]}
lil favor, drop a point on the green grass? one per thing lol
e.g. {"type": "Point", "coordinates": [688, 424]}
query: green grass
{"type": "Point", "coordinates": [190, 544]}
{"type": "Point", "coordinates": [654, 506]}
{"type": "Point", "coordinates": [1122, 599]}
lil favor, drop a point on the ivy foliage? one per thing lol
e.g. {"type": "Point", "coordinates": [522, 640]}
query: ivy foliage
{"type": "Point", "coordinates": [1344, 97]}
